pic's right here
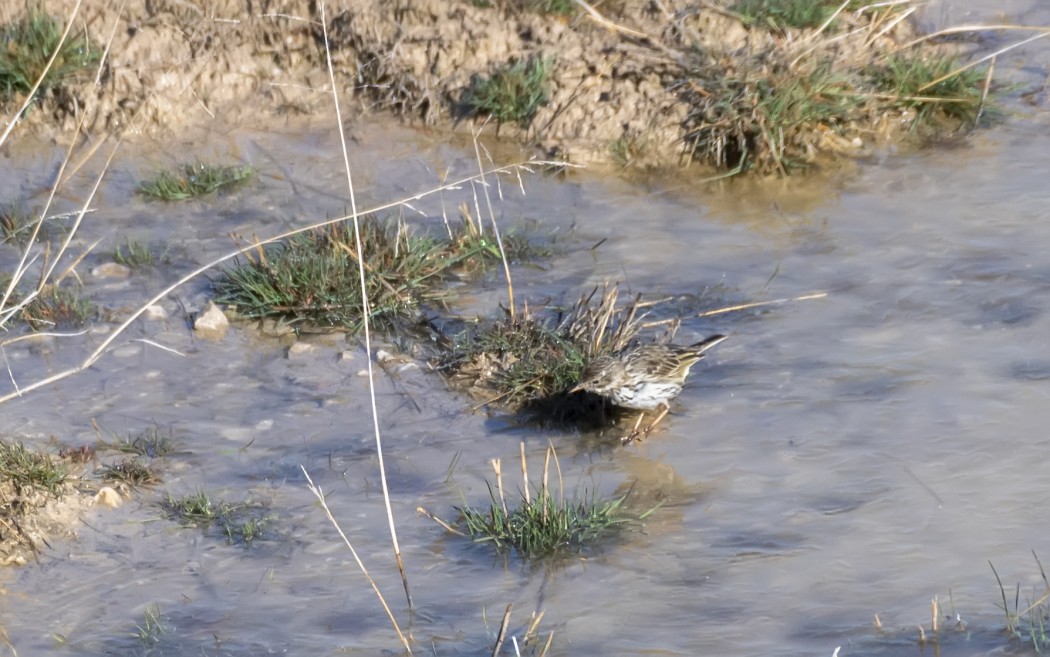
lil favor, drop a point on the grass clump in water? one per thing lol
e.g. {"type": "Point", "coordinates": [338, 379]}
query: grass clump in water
{"type": "Point", "coordinates": [153, 442]}
{"type": "Point", "coordinates": [27, 45]}
{"type": "Point", "coordinates": [56, 306]}
{"type": "Point", "coordinates": [1028, 624]}
{"type": "Point", "coordinates": [129, 471]}
{"type": "Point", "coordinates": [313, 277]}
{"type": "Point", "coordinates": [133, 255]}
{"type": "Point", "coordinates": [513, 93]}
{"type": "Point", "coordinates": [543, 523]}
{"type": "Point", "coordinates": [189, 181]}
{"type": "Point", "coordinates": [239, 523]}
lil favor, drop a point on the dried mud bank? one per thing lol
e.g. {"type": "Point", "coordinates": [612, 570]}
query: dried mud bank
{"type": "Point", "coordinates": [647, 84]}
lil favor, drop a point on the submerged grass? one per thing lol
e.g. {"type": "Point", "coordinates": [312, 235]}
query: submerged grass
{"type": "Point", "coordinates": [239, 523]}
{"type": "Point", "coordinates": [189, 181]}
{"type": "Point", "coordinates": [129, 471]}
{"type": "Point", "coordinates": [27, 45]}
{"type": "Point", "coordinates": [57, 306]}
{"type": "Point", "coordinates": [153, 442]}
{"type": "Point", "coordinates": [133, 255]}
{"type": "Point", "coordinates": [513, 93]}
{"type": "Point", "coordinates": [313, 278]}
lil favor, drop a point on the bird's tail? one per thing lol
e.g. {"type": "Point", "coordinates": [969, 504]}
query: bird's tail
{"type": "Point", "coordinates": [707, 343]}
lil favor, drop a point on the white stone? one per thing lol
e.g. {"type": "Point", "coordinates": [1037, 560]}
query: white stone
{"type": "Point", "coordinates": [211, 322]}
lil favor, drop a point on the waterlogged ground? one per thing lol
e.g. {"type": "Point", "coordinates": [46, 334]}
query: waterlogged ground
{"type": "Point", "coordinates": [835, 460]}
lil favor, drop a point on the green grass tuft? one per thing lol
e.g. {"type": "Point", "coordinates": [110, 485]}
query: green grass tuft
{"type": "Point", "coordinates": [543, 523]}
{"type": "Point", "coordinates": [190, 181]}
{"type": "Point", "coordinates": [313, 277]}
{"type": "Point", "coordinates": [513, 93]}
{"type": "Point", "coordinates": [27, 470]}
{"type": "Point", "coordinates": [955, 100]}
{"type": "Point", "coordinates": [27, 45]}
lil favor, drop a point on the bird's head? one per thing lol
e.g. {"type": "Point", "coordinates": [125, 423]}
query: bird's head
{"type": "Point", "coordinates": [599, 375]}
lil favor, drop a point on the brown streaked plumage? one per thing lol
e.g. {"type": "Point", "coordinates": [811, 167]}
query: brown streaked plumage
{"type": "Point", "coordinates": [646, 377]}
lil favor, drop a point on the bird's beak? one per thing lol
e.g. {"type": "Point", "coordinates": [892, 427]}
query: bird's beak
{"type": "Point", "coordinates": [578, 388]}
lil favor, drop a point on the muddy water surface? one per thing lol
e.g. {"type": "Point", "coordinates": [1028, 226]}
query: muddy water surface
{"type": "Point", "coordinates": [836, 459]}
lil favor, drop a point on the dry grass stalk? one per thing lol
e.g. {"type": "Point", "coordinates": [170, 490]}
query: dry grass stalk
{"type": "Point", "coordinates": [319, 494]}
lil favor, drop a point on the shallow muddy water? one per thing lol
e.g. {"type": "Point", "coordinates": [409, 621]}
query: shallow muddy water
{"type": "Point", "coordinates": [835, 460]}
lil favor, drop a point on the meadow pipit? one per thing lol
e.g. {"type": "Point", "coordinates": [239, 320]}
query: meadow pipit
{"type": "Point", "coordinates": [645, 377]}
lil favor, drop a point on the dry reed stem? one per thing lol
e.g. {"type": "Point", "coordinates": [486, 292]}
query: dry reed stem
{"type": "Point", "coordinates": [502, 635]}
{"type": "Point", "coordinates": [981, 60]}
{"type": "Point", "coordinates": [364, 309]}
{"type": "Point", "coordinates": [759, 304]}
{"type": "Point", "coordinates": [449, 528]}
{"type": "Point", "coordinates": [316, 490]}
{"type": "Point", "coordinates": [495, 227]}
{"type": "Point", "coordinates": [524, 472]}
{"type": "Point", "coordinates": [497, 465]}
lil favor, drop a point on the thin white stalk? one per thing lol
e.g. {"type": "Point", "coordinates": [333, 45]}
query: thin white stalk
{"type": "Point", "coordinates": [364, 309]}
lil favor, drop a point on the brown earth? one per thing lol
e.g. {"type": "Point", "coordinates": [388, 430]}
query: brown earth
{"type": "Point", "coordinates": [619, 82]}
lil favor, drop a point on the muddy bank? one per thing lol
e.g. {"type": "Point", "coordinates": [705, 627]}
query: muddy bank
{"type": "Point", "coordinates": [637, 85]}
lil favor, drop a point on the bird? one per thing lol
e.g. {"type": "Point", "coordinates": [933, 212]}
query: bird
{"type": "Point", "coordinates": [644, 377]}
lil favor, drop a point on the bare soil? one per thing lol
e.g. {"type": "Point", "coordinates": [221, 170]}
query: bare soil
{"type": "Point", "coordinates": [619, 86]}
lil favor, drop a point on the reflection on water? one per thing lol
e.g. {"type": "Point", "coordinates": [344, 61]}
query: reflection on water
{"type": "Point", "coordinates": [836, 459]}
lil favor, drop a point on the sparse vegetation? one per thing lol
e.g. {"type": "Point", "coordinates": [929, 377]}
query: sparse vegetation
{"type": "Point", "coordinates": [27, 45]}
{"type": "Point", "coordinates": [239, 523]}
{"type": "Point", "coordinates": [57, 306]}
{"type": "Point", "coordinates": [1028, 619]}
{"type": "Point", "coordinates": [129, 471]}
{"type": "Point", "coordinates": [152, 629]}
{"type": "Point", "coordinates": [16, 224]}
{"type": "Point", "coordinates": [133, 255]}
{"type": "Point", "coordinates": [313, 277]}
{"type": "Point", "coordinates": [152, 442]}
{"type": "Point", "coordinates": [190, 181]}
{"type": "Point", "coordinates": [512, 93]}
